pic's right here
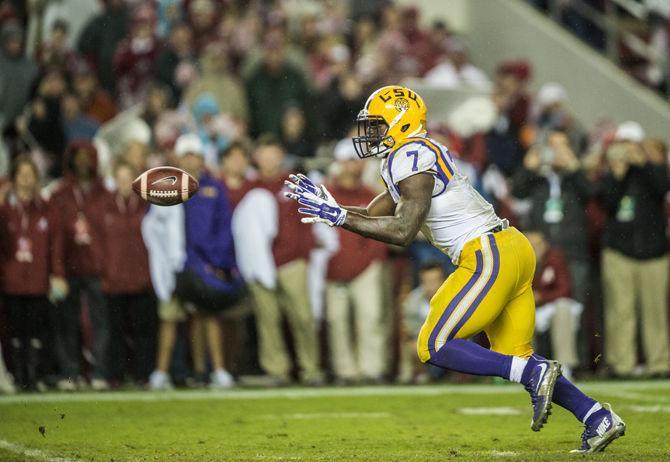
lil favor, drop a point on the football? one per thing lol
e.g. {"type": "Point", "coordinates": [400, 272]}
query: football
{"type": "Point", "coordinates": [165, 186]}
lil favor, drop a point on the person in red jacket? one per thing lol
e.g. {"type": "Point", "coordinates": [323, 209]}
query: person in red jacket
{"type": "Point", "coordinates": [78, 206]}
{"type": "Point", "coordinates": [135, 58]}
{"type": "Point", "coordinates": [556, 311]}
{"type": "Point", "coordinates": [25, 265]}
{"type": "Point", "coordinates": [126, 282]}
{"type": "Point", "coordinates": [355, 284]}
{"type": "Point", "coordinates": [290, 296]}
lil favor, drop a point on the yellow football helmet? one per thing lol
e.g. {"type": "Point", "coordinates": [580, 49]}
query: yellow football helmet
{"type": "Point", "coordinates": [391, 114]}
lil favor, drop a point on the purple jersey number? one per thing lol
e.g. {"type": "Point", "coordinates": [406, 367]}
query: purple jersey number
{"type": "Point", "coordinates": [415, 160]}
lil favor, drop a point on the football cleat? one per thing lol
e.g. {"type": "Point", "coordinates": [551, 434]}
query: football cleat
{"type": "Point", "coordinates": [540, 386]}
{"type": "Point", "coordinates": [603, 427]}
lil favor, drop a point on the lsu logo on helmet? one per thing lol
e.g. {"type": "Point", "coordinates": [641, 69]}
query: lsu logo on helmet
{"type": "Point", "coordinates": [391, 114]}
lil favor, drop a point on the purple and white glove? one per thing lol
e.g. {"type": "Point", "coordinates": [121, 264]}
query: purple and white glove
{"type": "Point", "coordinates": [317, 202]}
{"type": "Point", "coordinates": [301, 184]}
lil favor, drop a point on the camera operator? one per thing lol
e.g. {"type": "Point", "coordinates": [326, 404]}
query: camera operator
{"type": "Point", "coordinates": [558, 189]}
{"type": "Point", "coordinates": [634, 258]}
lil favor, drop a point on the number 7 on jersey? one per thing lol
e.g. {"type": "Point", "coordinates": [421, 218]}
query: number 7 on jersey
{"type": "Point", "coordinates": [414, 153]}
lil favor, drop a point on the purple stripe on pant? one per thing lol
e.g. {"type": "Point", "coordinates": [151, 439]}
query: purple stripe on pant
{"type": "Point", "coordinates": [455, 301]}
{"type": "Point", "coordinates": [482, 294]}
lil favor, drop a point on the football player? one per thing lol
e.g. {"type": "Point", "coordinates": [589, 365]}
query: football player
{"type": "Point", "coordinates": [490, 290]}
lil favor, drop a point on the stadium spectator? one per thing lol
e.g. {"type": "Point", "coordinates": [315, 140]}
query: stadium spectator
{"type": "Point", "coordinates": [355, 288]}
{"type": "Point", "coordinates": [25, 266]}
{"type": "Point", "coordinates": [203, 16]}
{"type": "Point", "coordinates": [220, 82]}
{"type": "Point", "coordinates": [274, 83]}
{"type": "Point", "coordinates": [76, 125]}
{"type": "Point", "coordinates": [657, 69]}
{"type": "Point", "coordinates": [510, 82]}
{"type": "Point", "coordinates": [170, 15]}
{"type": "Point", "coordinates": [235, 165]}
{"type": "Point", "coordinates": [634, 258]}
{"type": "Point", "coordinates": [95, 102]}
{"type": "Point", "coordinates": [329, 61]}
{"type": "Point", "coordinates": [135, 155]}
{"type": "Point", "coordinates": [176, 63]}
{"type": "Point", "coordinates": [126, 284]}
{"type": "Point", "coordinates": [556, 312]}
{"type": "Point", "coordinates": [210, 280]}
{"type": "Point", "coordinates": [156, 103]}
{"type": "Point", "coordinates": [17, 74]}
{"type": "Point", "coordinates": [341, 103]}
{"type": "Point", "coordinates": [550, 113]}
{"type": "Point", "coordinates": [415, 308]}
{"type": "Point", "coordinates": [135, 58]}
{"type": "Point", "coordinates": [423, 50]}
{"type": "Point", "coordinates": [164, 236]}
{"type": "Point", "coordinates": [504, 146]}
{"type": "Point", "coordinates": [455, 70]}
{"type": "Point", "coordinates": [279, 287]}
{"type": "Point", "coordinates": [294, 136]}
{"type": "Point", "coordinates": [100, 37]}
{"type": "Point", "coordinates": [44, 123]}
{"type": "Point", "coordinates": [214, 129]}
{"type": "Point", "coordinates": [552, 180]}
{"type": "Point", "coordinates": [77, 227]}
{"type": "Point", "coordinates": [54, 51]}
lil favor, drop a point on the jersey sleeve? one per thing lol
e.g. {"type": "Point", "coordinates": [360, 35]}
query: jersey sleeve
{"type": "Point", "coordinates": [409, 160]}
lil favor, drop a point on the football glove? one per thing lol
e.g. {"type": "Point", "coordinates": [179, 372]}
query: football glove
{"type": "Point", "coordinates": [301, 184]}
{"type": "Point", "coordinates": [320, 208]}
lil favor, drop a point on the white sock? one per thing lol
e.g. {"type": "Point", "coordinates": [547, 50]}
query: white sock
{"type": "Point", "coordinates": [595, 408]}
{"type": "Point", "coordinates": [518, 365]}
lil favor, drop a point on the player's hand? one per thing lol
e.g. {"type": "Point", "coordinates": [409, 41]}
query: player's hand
{"type": "Point", "coordinates": [301, 184]}
{"type": "Point", "coordinates": [318, 209]}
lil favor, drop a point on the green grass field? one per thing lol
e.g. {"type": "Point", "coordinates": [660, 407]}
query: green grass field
{"type": "Point", "coordinates": [442, 422]}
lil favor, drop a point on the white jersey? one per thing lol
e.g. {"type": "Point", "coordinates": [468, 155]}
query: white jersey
{"type": "Point", "coordinates": [457, 213]}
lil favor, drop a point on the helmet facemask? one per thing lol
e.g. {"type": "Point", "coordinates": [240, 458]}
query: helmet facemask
{"type": "Point", "coordinates": [372, 139]}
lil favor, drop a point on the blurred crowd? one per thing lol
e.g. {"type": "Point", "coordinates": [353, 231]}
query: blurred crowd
{"type": "Point", "coordinates": [100, 290]}
{"type": "Point", "coordinates": [635, 34]}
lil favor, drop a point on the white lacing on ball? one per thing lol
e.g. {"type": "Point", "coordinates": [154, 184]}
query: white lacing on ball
{"type": "Point", "coordinates": [158, 193]}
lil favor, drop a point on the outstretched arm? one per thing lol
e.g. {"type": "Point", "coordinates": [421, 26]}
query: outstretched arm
{"type": "Point", "coordinates": [380, 206]}
{"type": "Point", "coordinates": [401, 227]}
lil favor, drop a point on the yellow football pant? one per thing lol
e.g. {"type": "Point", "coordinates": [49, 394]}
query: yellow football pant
{"type": "Point", "coordinates": [490, 291]}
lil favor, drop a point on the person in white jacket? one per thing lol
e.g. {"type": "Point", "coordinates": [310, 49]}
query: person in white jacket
{"type": "Point", "coordinates": [164, 235]}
